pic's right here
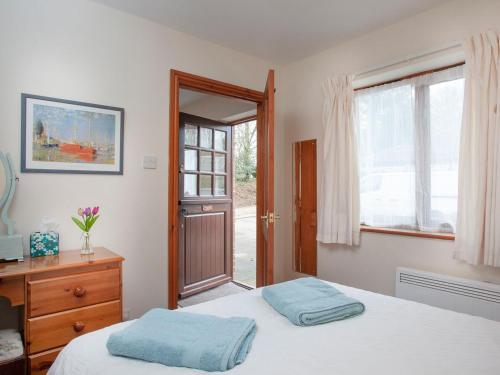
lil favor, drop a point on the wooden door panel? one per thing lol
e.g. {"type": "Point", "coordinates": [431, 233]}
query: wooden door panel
{"type": "Point", "coordinates": [305, 211]}
{"type": "Point", "coordinates": [204, 250]}
{"type": "Point", "coordinates": [206, 253]}
{"type": "Point", "coordinates": [265, 185]}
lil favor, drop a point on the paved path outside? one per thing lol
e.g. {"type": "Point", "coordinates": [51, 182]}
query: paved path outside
{"type": "Point", "coordinates": [245, 245]}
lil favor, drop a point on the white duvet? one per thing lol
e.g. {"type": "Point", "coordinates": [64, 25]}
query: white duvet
{"type": "Point", "coordinates": [393, 336]}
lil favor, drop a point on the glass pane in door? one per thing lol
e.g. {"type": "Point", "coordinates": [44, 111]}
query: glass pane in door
{"type": "Point", "coordinates": [206, 138]}
{"type": "Point", "coordinates": [205, 161]}
{"type": "Point", "coordinates": [220, 163]}
{"type": "Point", "coordinates": [205, 184]}
{"type": "Point", "coordinates": [191, 135]}
{"type": "Point", "coordinates": [220, 185]}
{"type": "Point", "coordinates": [190, 185]}
{"type": "Point", "coordinates": [220, 140]}
{"type": "Point", "coordinates": [190, 160]}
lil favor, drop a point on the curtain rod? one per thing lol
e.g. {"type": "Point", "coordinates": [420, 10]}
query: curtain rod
{"type": "Point", "coordinates": [407, 60]}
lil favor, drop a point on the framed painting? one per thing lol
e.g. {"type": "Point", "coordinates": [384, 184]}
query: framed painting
{"type": "Point", "coordinates": [64, 136]}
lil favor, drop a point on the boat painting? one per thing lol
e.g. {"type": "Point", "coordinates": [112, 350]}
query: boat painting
{"type": "Point", "coordinates": [72, 136]}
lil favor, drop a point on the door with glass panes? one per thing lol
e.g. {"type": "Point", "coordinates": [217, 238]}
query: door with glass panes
{"type": "Point", "coordinates": [205, 204]}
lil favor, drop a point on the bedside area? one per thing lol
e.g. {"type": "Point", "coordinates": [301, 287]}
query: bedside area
{"type": "Point", "coordinates": [64, 296]}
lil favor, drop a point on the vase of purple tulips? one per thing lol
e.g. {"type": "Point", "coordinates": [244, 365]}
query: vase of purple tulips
{"type": "Point", "coordinates": [87, 218]}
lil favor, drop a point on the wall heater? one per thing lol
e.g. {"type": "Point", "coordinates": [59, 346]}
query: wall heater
{"type": "Point", "coordinates": [452, 293]}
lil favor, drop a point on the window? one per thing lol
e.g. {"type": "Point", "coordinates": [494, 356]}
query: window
{"type": "Point", "coordinates": [409, 134]}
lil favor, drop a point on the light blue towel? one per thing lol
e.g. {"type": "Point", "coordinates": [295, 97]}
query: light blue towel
{"type": "Point", "coordinates": [309, 301]}
{"type": "Point", "coordinates": [184, 339]}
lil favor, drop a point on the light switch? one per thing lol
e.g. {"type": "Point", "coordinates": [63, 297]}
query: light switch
{"type": "Point", "coordinates": [149, 162]}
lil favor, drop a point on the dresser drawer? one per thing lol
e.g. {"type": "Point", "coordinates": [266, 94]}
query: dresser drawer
{"type": "Point", "coordinates": [40, 363]}
{"type": "Point", "coordinates": [69, 292]}
{"type": "Point", "coordinates": [51, 331]}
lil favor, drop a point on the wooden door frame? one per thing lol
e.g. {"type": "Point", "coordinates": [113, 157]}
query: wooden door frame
{"type": "Point", "coordinates": [193, 82]}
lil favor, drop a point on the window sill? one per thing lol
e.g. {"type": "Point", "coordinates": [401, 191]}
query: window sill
{"type": "Point", "coordinates": [411, 233]}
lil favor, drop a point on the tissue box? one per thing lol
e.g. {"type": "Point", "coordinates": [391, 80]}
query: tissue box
{"type": "Point", "coordinates": [44, 244]}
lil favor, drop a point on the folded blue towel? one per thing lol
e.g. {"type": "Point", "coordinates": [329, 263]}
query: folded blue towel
{"type": "Point", "coordinates": [309, 301]}
{"type": "Point", "coordinates": [184, 339]}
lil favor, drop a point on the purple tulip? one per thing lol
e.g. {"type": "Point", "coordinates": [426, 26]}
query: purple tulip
{"type": "Point", "coordinates": [95, 210]}
{"type": "Point", "coordinates": [87, 211]}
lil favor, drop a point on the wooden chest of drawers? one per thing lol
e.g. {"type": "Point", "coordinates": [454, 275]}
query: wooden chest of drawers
{"type": "Point", "coordinates": [65, 296]}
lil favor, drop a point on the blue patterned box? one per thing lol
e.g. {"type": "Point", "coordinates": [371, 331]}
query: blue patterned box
{"type": "Point", "coordinates": [44, 244]}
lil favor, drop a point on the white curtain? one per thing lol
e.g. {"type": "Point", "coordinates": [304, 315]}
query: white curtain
{"type": "Point", "coordinates": [409, 135]}
{"type": "Point", "coordinates": [339, 193]}
{"type": "Point", "coordinates": [478, 223]}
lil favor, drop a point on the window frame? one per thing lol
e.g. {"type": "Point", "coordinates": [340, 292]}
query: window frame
{"type": "Point", "coordinates": [409, 232]}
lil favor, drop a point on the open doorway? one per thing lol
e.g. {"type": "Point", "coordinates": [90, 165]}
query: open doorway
{"type": "Point", "coordinates": [245, 202]}
{"type": "Point", "coordinates": [197, 209]}
{"type": "Point", "coordinates": [217, 155]}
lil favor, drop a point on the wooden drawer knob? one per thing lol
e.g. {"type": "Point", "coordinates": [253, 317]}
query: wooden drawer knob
{"type": "Point", "coordinates": [78, 326]}
{"type": "Point", "coordinates": [79, 292]}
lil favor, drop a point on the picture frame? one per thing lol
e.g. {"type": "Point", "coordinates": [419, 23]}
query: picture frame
{"type": "Point", "coordinates": [66, 136]}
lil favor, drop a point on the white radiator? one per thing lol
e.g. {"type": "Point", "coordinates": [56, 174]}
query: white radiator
{"type": "Point", "coordinates": [452, 293]}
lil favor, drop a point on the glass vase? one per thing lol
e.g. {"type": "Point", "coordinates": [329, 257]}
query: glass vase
{"type": "Point", "coordinates": [86, 248]}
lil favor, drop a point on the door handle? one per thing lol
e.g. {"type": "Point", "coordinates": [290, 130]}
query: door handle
{"type": "Point", "coordinates": [265, 217]}
{"type": "Point", "coordinates": [270, 217]}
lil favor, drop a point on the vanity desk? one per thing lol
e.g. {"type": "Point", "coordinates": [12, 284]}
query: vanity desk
{"type": "Point", "coordinates": [64, 296]}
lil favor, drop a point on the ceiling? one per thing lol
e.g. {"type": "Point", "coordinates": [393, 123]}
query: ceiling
{"type": "Point", "coordinates": [188, 97]}
{"type": "Point", "coordinates": [215, 107]}
{"type": "Point", "coordinates": [279, 31]}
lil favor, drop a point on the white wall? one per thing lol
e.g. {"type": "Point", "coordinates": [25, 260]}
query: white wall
{"type": "Point", "coordinates": [84, 51]}
{"type": "Point", "coordinates": [372, 265]}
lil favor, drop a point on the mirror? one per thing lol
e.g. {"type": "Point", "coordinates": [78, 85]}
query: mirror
{"type": "Point", "coordinates": [3, 188]}
{"type": "Point", "coordinates": [11, 244]}
{"type": "Point", "coordinates": [7, 193]}
{"type": "Point", "coordinates": [305, 210]}
{"type": "Point", "coordinates": [3, 184]}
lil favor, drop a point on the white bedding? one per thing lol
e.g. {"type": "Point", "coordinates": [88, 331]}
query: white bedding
{"type": "Point", "coordinates": [393, 336]}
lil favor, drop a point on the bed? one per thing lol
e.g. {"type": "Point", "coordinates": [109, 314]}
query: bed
{"type": "Point", "coordinates": [393, 336]}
